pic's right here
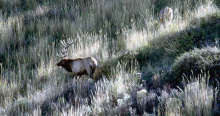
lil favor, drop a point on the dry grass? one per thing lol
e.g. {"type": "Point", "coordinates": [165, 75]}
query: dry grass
{"type": "Point", "coordinates": [29, 41]}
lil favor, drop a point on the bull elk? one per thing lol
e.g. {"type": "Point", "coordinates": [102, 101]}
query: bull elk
{"type": "Point", "coordinates": [166, 15]}
{"type": "Point", "coordinates": [79, 66]}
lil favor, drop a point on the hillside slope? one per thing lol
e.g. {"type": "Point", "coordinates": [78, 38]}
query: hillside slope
{"type": "Point", "coordinates": [144, 67]}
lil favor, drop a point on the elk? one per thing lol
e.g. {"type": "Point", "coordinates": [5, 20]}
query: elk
{"type": "Point", "coordinates": [166, 15]}
{"type": "Point", "coordinates": [79, 66]}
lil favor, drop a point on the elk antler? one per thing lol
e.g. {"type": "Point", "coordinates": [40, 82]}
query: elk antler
{"type": "Point", "coordinates": [65, 47]}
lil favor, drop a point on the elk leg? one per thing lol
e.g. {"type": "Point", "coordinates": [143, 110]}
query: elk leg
{"type": "Point", "coordinates": [87, 66]}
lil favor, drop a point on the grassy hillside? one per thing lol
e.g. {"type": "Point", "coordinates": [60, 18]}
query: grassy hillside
{"type": "Point", "coordinates": [144, 67]}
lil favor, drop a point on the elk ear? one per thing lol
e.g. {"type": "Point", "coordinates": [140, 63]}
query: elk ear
{"type": "Point", "coordinates": [169, 9]}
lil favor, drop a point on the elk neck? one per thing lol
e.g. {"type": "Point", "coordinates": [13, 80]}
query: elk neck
{"type": "Point", "coordinates": [68, 65]}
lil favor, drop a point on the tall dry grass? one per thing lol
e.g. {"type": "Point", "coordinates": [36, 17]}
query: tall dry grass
{"type": "Point", "coordinates": [30, 32]}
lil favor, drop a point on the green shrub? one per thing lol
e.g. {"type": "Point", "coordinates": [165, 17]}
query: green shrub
{"type": "Point", "coordinates": [197, 61]}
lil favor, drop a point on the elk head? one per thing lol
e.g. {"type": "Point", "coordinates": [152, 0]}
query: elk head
{"type": "Point", "coordinates": [78, 66]}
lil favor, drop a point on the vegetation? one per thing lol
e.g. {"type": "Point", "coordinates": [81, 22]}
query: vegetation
{"type": "Point", "coordinates": [197, 61]}
{"type": "Point", "coordinates": [145, 67]}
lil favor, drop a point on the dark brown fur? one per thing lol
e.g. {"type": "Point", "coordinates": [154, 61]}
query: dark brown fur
{"type": "Point", "coordinates": [65, 63]}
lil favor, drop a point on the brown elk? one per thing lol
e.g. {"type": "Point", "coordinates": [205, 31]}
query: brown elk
{"type": "Point", "coordinates": [166, 15]}
{"type": "Point", "coordinates": [78, 66]}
